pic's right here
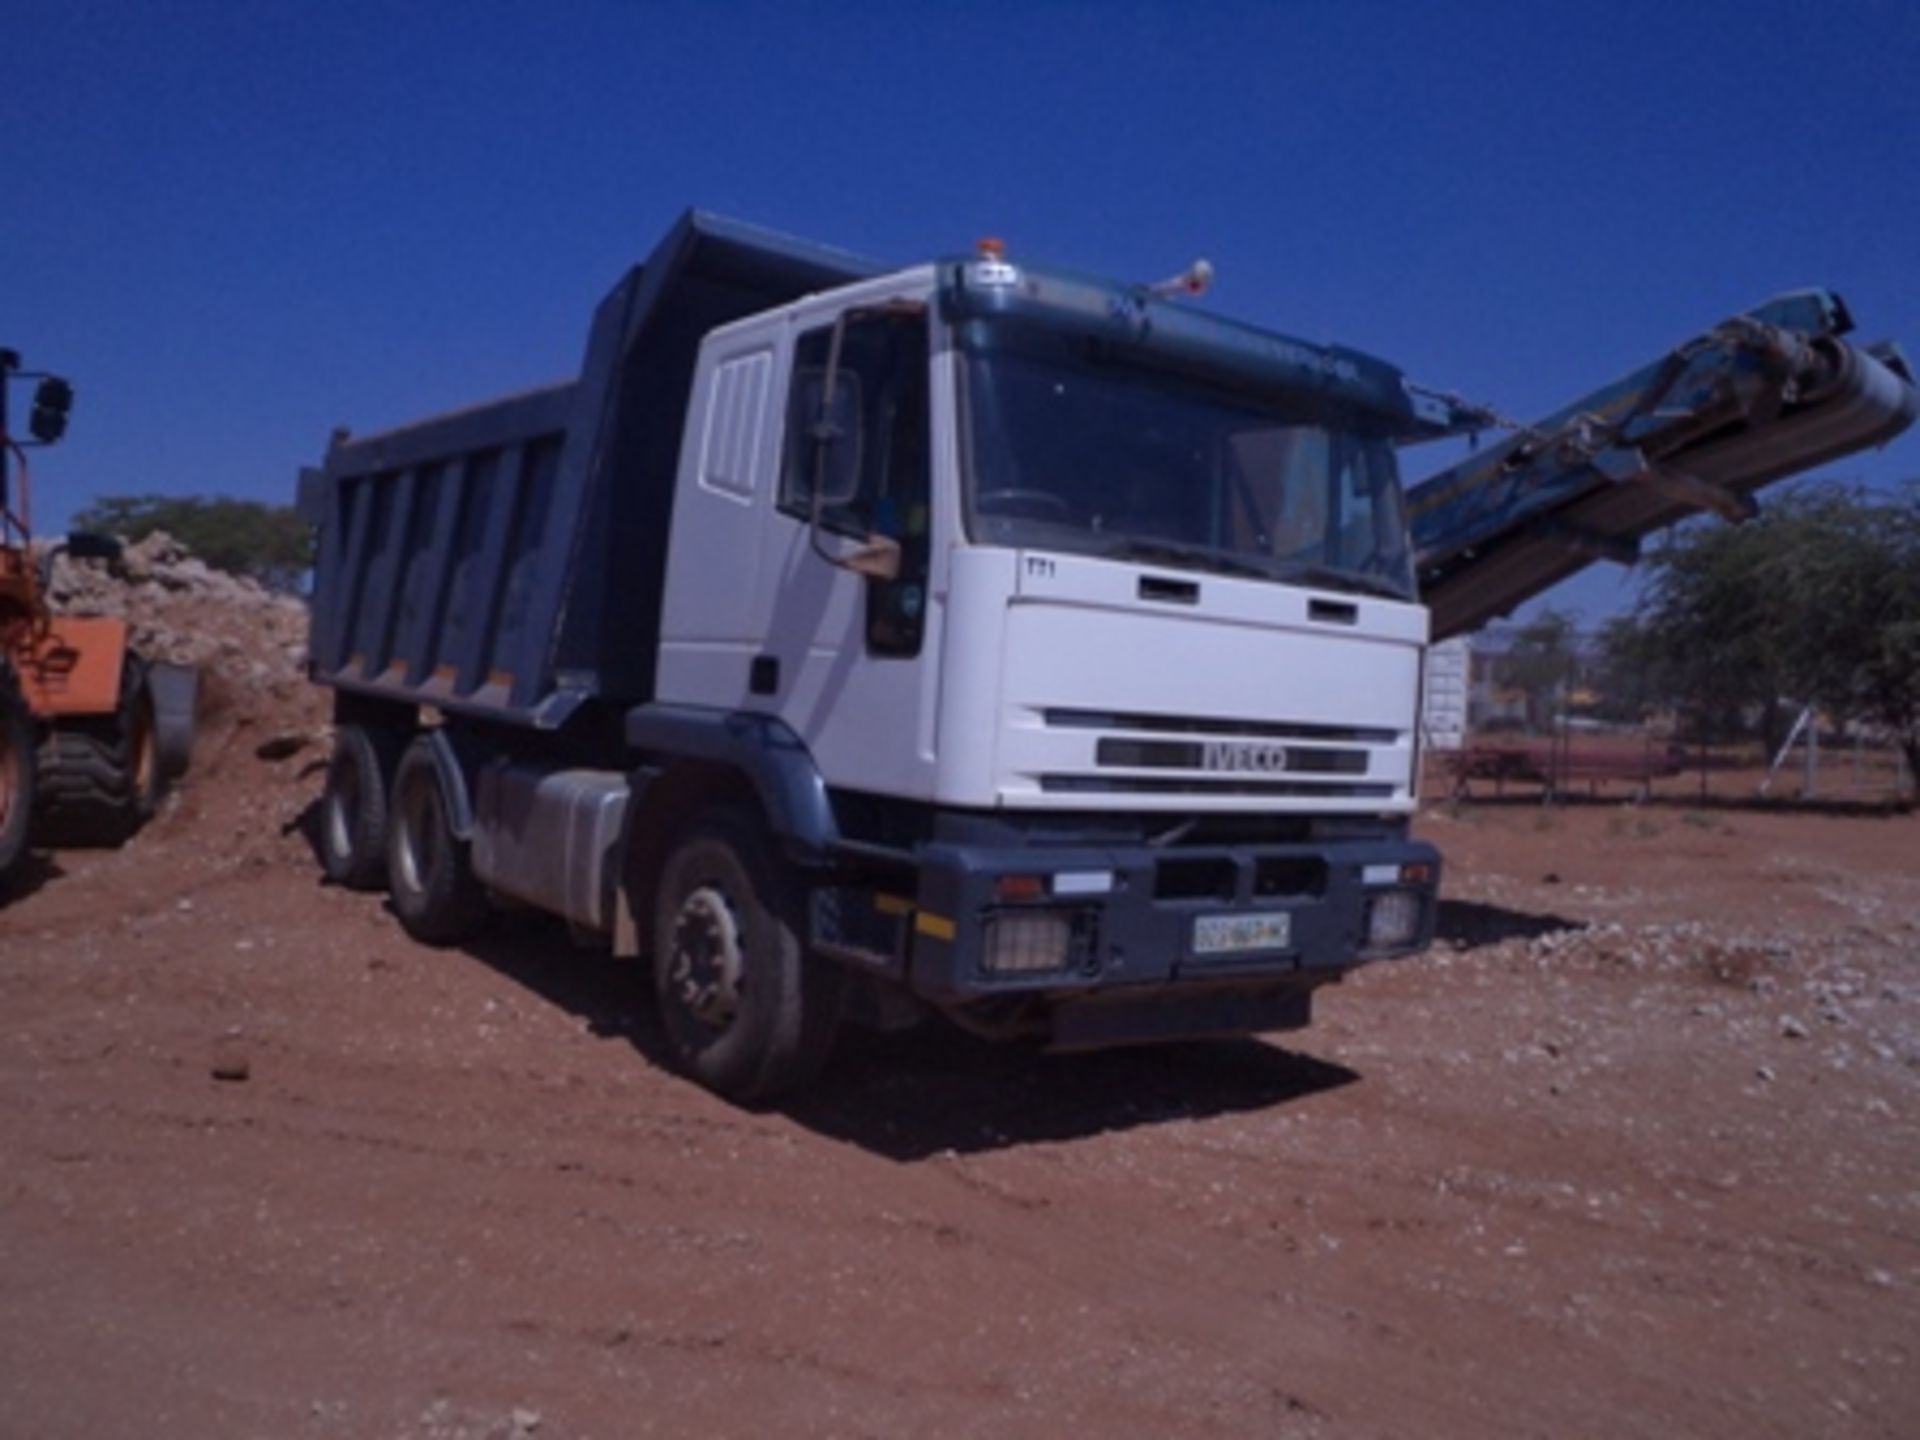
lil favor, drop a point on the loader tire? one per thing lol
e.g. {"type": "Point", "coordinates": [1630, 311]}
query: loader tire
{"type": "Point", "coordinates": [100, 775]}
{"type": "Point", "coordinates": [17, 769]}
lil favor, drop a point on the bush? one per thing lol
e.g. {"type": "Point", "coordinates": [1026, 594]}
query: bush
{"type": "Point", "coordinates": [268, 543]}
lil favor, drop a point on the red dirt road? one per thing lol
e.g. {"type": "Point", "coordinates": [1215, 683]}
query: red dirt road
{"type": "Point", "coordinates": [1636, 1151]}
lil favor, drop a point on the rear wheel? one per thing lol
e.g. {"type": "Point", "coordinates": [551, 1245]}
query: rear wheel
{"type": "Point", "coordinates": [429, 868]}
{"type": "Point", "coordinates": [748, 1013]}
{"type": "Point", "coordinates": [16, 770]}
{"type": "Point", "coordinates": [99, 776]}
{"type": "Point", "coordinates": [354, 813]}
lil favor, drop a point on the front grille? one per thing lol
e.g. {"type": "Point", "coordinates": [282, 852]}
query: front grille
{"type": "Point", "coordinates": [1224, 755]}
{"type": "Point", "coordinates": [1212, 758]}
{"type": "Point", "coordinates": [1208, 725]}
{"type": "Point", "coordinates": [1289, 875]}
{"type": "Point", "coordinates": [1204, 878]}
{"type": "Point", "coordinates": [1200, 783]}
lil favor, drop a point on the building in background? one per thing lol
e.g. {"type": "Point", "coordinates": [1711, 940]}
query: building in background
{"type": "Point", "coordinates": [1443, 701]}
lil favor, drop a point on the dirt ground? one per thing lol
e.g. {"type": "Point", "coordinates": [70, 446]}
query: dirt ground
{"type": "Point", "coordinates": [1634, 1151]}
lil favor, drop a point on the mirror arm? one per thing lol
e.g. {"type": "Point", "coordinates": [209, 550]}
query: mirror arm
{"type": "Point", "coordinates": [878, 557]}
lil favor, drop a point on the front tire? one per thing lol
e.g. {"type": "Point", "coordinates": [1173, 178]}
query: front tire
{"type": "Point", "coordinates": [429, 868]}
{"type": "Point", "coordinates": [99, 776]}
{"type": "Point", "coordinates": [747, 1012]}
{"type": "Point", "coordinates": [17, 770]}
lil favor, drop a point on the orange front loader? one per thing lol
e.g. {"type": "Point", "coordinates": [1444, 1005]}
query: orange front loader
{"type": "Point", "coordinates": [89, 732]}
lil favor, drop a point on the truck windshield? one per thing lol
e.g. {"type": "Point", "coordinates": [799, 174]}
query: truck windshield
{"type": "Point", "coordinates": [1073, 448]}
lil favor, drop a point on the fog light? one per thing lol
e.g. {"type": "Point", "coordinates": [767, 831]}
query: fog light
{"type": "Point", "coordinates": [1026, 942]}
{"type": "Point", "coordinates": [1393, 918]}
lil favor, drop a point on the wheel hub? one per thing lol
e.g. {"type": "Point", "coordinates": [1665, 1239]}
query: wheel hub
{"type": "Point", "coordinates": [709, 958]}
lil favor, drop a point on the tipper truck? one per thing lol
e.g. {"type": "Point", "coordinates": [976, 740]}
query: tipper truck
{"type": "Point", "coordinates": [852, 644]}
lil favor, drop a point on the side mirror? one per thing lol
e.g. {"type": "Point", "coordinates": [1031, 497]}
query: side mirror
{"type": "Point", "coordinates": [52, 399]}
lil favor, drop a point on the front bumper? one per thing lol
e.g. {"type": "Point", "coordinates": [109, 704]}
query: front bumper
{"type": "Point", "coordinates": [1146, 919]}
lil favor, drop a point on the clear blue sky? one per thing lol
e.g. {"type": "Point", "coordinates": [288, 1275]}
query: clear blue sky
{"type": "Point", "coordinates": [236, 226]}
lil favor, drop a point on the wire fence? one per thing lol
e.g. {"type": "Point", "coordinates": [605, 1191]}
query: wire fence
{"type": "Point", "coordinates": [1492, 728]}
{"type": "Point", "coordinates": [1569, 760]}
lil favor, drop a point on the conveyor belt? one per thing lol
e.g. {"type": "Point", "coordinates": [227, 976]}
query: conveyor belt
{"type": "Point", "coordinates": [1763, 396]}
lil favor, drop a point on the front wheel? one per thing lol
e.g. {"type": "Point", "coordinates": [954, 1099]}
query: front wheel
{"type": "Point", "coordinates": [747, 1012]}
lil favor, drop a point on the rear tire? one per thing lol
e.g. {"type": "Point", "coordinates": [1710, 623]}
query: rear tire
{"type": "Point", "coordinates": [429, 869]}
{"type": "Point", "coordinates": [100, 775]}
{"type": "Point", "coordinates": [747, 1012]}
{"type": "Point", "coordinates": [17, 769]}
{"type": "Point", "coordinates": [354, 809]}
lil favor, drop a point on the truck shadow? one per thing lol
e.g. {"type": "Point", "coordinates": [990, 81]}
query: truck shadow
{"type": "Point", "coordinates": [934, 1089]}
{"type": "Point", "coordinates": [937, 1091]}
{"type": "Point", "coordinates": [1469, 924]}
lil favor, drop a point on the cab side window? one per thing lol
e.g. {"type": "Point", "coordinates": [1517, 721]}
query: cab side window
{"type": "Point", "coordinates": [869, 453]}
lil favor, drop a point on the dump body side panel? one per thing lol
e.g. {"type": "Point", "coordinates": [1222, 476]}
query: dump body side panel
{"type": "Point", "coordinates": [438, 552]}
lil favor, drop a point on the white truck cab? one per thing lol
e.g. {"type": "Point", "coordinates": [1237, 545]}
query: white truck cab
{"type": "Point", "coordinates": [1117, 588]}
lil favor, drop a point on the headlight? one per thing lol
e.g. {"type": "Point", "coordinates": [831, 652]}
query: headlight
{"type": "Point", "coordinates": [1393, 918]}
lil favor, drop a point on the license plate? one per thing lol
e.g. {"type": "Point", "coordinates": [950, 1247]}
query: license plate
{"type": "Point", "coordinates": [1239, 934]}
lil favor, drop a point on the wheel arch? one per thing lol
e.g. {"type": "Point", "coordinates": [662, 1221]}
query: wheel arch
{"type": "Point", "coordinates": [697, 759]}
{"type": "Point", "coordinates": [762, 750]}
{"type": "Point", "coordinates": [662, 801]}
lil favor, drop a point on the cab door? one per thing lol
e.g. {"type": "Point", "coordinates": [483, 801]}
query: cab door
{"type": "Point", "coordinates": [848, 660]}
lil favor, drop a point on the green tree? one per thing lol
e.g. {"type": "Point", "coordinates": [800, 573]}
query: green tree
{"type": "Point", "coordinates": [1817, 601]}
{"type": "Point", "coordinates": [1710, 632]}
{"type": "Point", "coordinates": [1627, 670]}
{"type": "Point", "coordinates": [1542, 663]}
{"type": "Point", "coordinates": [269, 543]}
{"type": "Point", "coordinates": [1850, 586]}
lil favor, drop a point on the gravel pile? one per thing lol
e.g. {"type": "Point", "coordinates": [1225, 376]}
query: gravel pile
{"type": "Point", "coordinates": [248, 643]}
{"type": "Point", "coordinates": [185, 611]}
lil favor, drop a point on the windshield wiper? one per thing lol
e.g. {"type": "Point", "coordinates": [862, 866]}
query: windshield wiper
{"type": "Point", "coordinates": [1335, 579]}
{"type": "Point", "coordinates": [1200, 556]}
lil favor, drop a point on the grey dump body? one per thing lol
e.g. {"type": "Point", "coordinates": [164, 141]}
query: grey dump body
{"type": "Point", "coordinates": [508, 560]}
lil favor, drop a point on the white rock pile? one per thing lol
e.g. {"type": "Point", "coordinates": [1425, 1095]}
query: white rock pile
{"type": "Point", "coordinates": [184, 611]}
